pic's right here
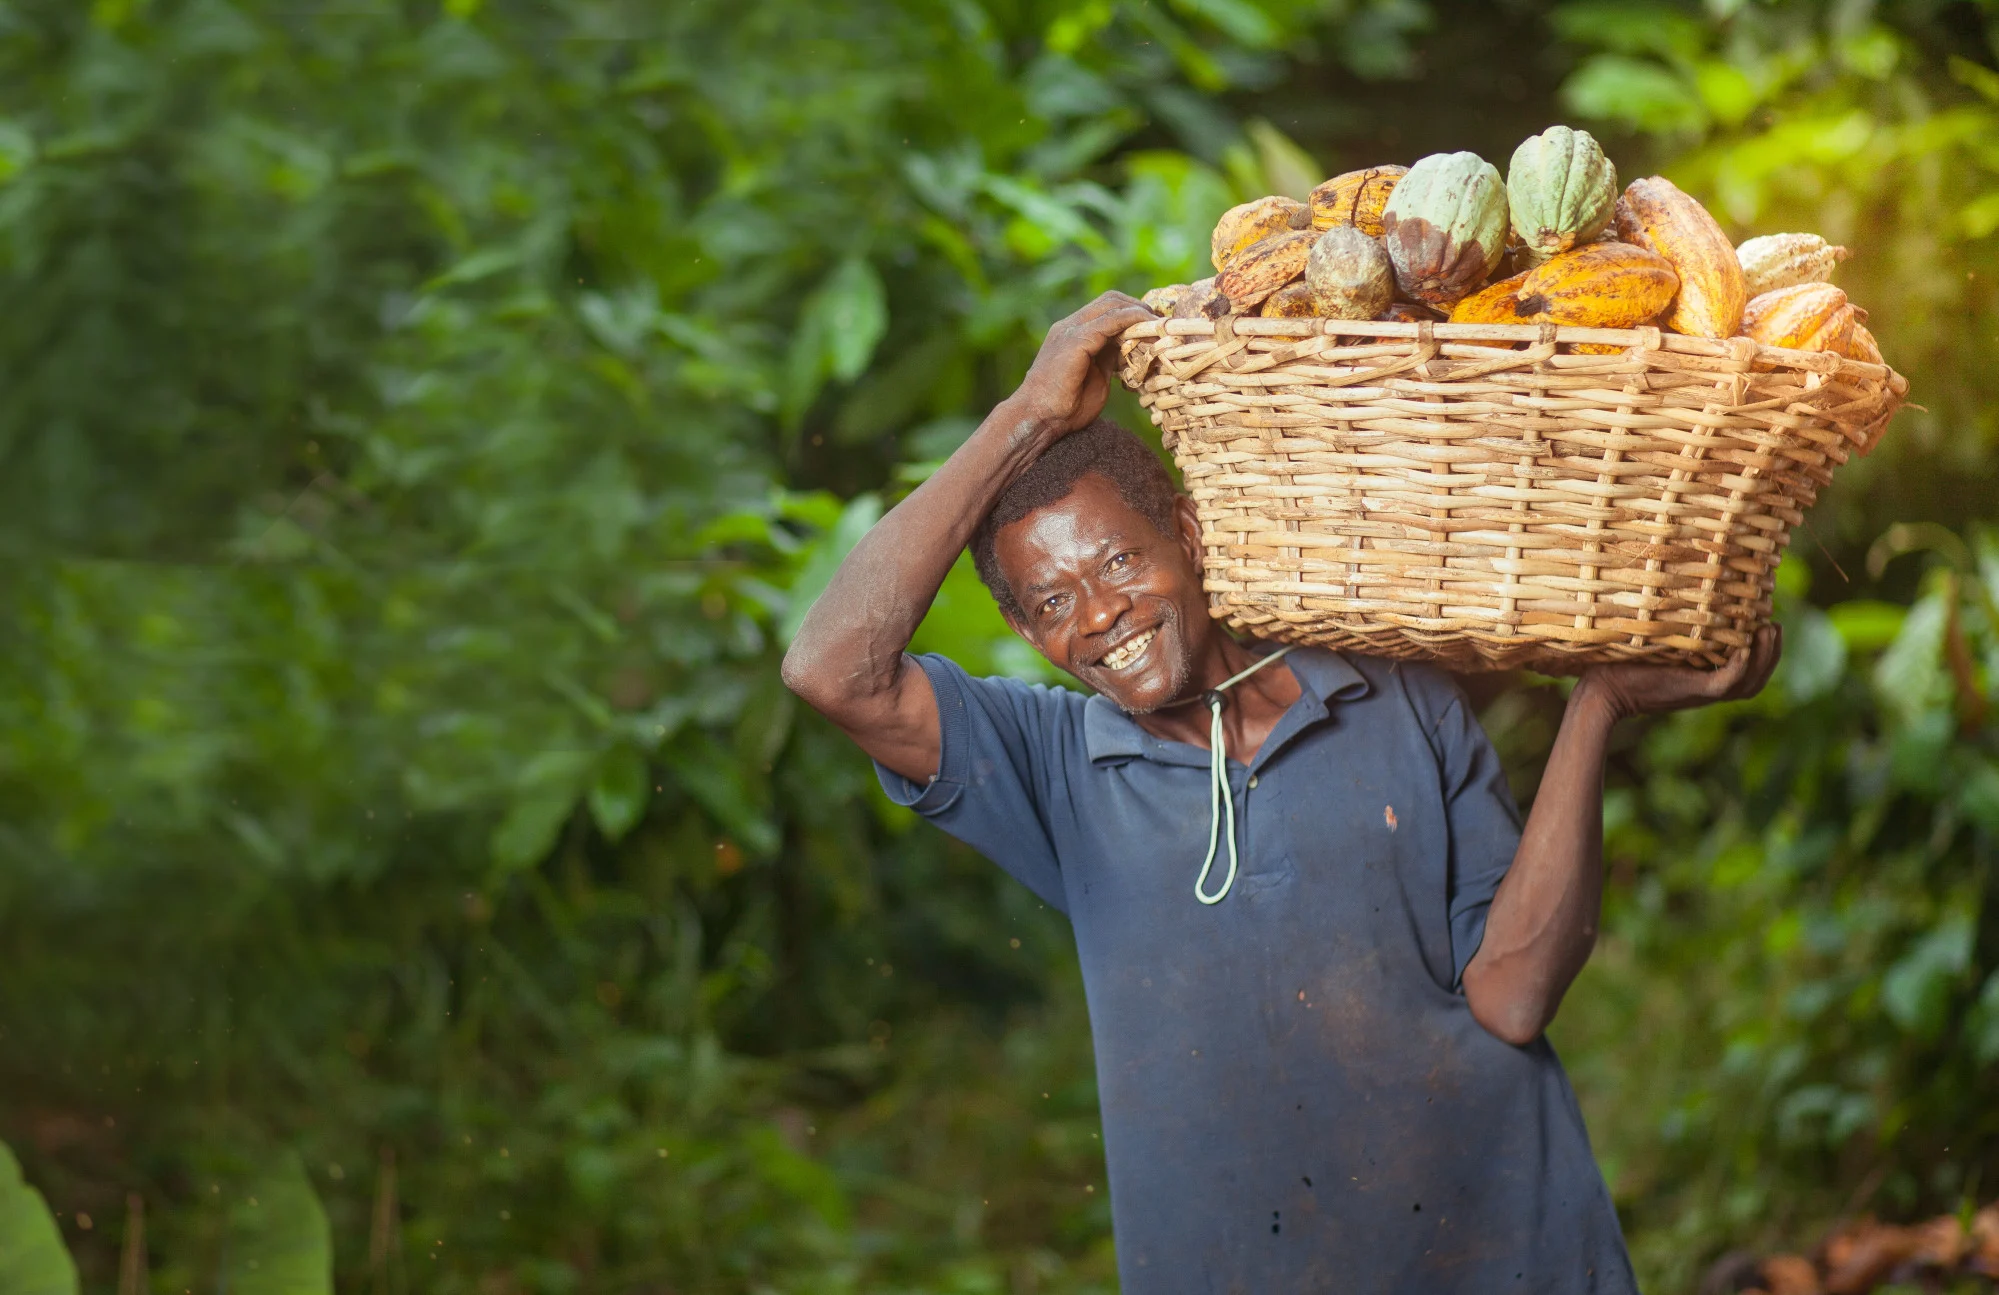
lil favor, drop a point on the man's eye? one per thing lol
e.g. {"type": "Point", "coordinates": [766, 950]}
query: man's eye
{"type": "Point", "coordinates": [1121, 561]}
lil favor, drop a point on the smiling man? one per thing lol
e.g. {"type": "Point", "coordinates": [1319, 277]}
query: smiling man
{"type": "Point", "coordinates": [1317, 988]}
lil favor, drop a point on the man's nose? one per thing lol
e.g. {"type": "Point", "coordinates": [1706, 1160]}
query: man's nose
{"type": "Point", "coordinates": [1102, 609]}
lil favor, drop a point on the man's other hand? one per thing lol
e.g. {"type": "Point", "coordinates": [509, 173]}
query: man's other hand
{"type": "Point", "coordinates": [1066, 387]}
{"type": "Point", "coordinates": [1637, 689]}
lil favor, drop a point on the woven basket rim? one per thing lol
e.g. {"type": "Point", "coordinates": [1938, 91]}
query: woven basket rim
{"type": "Point", "coordinates": [1745, 351]}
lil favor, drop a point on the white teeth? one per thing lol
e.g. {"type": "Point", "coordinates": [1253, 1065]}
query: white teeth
{"type": "Point", "coordinates": [1126, 653]}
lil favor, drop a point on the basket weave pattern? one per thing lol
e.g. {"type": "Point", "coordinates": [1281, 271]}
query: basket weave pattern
{"type": "Point", "coordinates": [1400, 490]}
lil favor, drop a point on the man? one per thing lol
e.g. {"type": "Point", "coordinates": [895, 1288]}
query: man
{"type": "Point", "coordinates": [1319, 1051]}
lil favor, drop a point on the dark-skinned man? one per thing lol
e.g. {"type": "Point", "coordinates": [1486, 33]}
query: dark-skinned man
{"type": "Point", "coordinates": [1318, 982]}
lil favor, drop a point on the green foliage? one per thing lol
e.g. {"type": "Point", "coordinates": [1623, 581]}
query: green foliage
{"type": "Point", "coordinates": [277, 1240]}
{"type": "Point", "coordinates": [33, 1259]}
{"type": "Point", "coordinates": [425, 426]}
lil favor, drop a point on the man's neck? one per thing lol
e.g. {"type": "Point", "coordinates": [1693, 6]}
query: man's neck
{"type": "Point", "coordinates": [1251, 709]}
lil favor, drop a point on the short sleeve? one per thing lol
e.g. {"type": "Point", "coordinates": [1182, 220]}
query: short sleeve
{"type": "Point", "coordinates": [1484, 826]}
{"type": "Point", "coordinates": [996, 738]}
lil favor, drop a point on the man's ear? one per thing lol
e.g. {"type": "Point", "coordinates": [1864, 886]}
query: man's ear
{"type": "Point", "coordinates": [1187, 523]}
{"type": "Point", "coordinates": [1019, 627]}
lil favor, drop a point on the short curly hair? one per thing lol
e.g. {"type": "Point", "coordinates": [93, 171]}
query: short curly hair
{"type": "Point", "coordinates": [1104, 448]}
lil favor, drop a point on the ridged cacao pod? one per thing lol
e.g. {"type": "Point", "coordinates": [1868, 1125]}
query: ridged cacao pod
{"type": "Point", "coordinates": [1496, 303]}
{"type": "Point", "coordinates": [1599, 285]}
{"type": "Point", "coordinates": [1655, 215]}
{"type": "Point", "coordinates": [1292, 301]}
{"type": "Point", "coordinates": [1241, 228]}
{"type": "Point", "coordinates": [1349, 274]}
{"type": "Point", "coordinates": [1263, 268]}
{"type": "Point", "coordinates": [1355, 199]}
{"type": "Point", "coordinates": [1862, 346]}
{"type": "Point", "coordinates": [1802, 317]}
{"type": "Point", "coordinates": [1560, 190]}
{"type": "Point", "coordinates": [1160, 300]}
{"type": "Point", "coordinates": [1445, 227]}
{"type": "Point", "coordinates": [1201, 300]}
{"type": "Point", "coordinates": [1784, 260]}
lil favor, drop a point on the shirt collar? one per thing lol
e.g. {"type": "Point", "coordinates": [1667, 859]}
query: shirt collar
{"type": "Point", "coordinates": [1323, 676]}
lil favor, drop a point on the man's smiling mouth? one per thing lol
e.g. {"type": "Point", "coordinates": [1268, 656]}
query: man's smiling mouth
{"type": "Point", "coordinates": [1129, 651]}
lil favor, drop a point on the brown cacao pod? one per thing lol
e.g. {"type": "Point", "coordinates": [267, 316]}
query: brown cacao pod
{"type": "Point", "coordinates": [1445, 227]}
{"type": "Point", "coordinates": [1802, 317]}
{"type": "Point", "coordinates": [1292, 301]}
{"type": "Point", "coordinates": [1262, 268]}
{"type": "Point", "coordinates": [1201, 300]}
{"type": "Point", "coordinates": [1355, 199]}
{"type": "Point", "coordinates": [1241, 228]}
{"type": "Point", "coordinates": [1655, 215]}
{"type": "Point", "coordinates": [1598, 285]}
{"type": "Point", "coordinates": [1160, 300]}
{"type": "Point", "coordinates": [1408, 312]}
{"type": "Point", "coordinates": [1349, 274]}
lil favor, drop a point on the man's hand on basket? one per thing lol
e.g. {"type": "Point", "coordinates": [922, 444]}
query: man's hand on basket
{"type": "Point", "coordinates": [1636, 689]}
{"type": "Point", "coordinates": [1066, 386]}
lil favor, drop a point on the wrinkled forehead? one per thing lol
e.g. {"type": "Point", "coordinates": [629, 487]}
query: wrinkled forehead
{"type": "Point", "coordinates": [1077, 531]}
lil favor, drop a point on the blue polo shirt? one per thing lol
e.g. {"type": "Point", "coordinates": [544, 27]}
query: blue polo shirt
{"type": "Point", "coordinates": [1295, 1096]}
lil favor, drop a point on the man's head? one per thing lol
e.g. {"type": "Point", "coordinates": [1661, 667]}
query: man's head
{"type": "Point", "coordinates": [1095, 559]}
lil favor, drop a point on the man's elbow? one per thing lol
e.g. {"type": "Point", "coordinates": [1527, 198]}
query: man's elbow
{"type": "Point", "coordinates": [1513, 1018]}
{"type": "Point", "coordinates": [800, 674]}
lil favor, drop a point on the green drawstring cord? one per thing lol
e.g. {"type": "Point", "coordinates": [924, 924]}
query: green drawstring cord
{"type": "Point", "coordinates": [1220, 796]}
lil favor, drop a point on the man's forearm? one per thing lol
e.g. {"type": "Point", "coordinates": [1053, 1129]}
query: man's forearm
{"type": "Point", "coordinates": [852, 640]}
{"type": "Point", "coordinates": [1543, 921]}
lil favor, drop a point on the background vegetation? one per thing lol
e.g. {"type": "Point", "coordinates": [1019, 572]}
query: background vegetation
{"type": "Point", "coordinates": [423, 424]}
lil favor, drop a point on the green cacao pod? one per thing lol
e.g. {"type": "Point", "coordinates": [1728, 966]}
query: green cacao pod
{"type": "Point", "coordinates": [1349, 274]}
{"type": "Point", "coordinates": [1561, 190]}
{"type": "Point", "coordinates": [1445, 227]}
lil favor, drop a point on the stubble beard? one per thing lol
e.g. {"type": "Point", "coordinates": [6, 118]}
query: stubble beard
{"type": "Point", "coordinates": [1180, 669]}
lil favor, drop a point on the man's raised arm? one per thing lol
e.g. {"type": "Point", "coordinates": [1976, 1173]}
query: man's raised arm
{"type": "Point", "coordinates": [847, 661]}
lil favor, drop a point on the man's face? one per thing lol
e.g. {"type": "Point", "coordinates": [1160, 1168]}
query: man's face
{"type": "Point", "coordinates": [1106, 596]}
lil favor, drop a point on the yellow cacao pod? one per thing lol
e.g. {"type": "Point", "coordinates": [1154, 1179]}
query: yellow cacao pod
{"type": "Point", "coordinates": [1785, 260]}
{"type": "Point", "coordinates": [1242, 228]}
{"type": "Point", "coordinates": [1655, 215]}
{"type": "Point", "coordinates": [1496, 303]}
{"type": "Point", "coordinates": [1355, 199]}
{"type": "Point", "coordinates": [1262, 268]}
{"type": "Point", "coordinates": [1802, 317]}
{"type": "Point", "coordinates": [1862, 346]}
{"type": "Point", "coordinates": [1292, 301]}
{"type": "Point", "coordinates": [1598, 285]}
{"type": "Point", "coordinates": [1160, 300]}
{"type": "Point", "coordinates": [1349, 274]}
{"type": "Point", "coordinates": [1201, 300]}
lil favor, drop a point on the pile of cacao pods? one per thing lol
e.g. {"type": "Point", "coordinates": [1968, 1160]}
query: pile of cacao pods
{"type": "Point", "coordinates": [1555, 242]}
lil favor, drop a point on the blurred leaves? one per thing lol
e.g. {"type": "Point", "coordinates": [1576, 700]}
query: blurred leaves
{"type": "Point", "coordinates": [33, 1259]}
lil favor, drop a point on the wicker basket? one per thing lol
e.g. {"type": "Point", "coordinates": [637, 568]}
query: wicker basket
{"type": "Point", "coordinates": [1399, 490]}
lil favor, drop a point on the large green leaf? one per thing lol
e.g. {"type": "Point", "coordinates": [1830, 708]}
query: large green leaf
{"type": "Point", "coordinates": [33, 1259]}
{"type": "Point", "coordinates": [278, 1240]}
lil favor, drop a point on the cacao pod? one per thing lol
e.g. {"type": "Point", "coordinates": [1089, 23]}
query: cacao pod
{"type": "Point", "coordinates": [1445, 227]}
{"type": "Point", "coordinates": [1655, 215]}
{"type": "Point", "coordinates": [1241, 228]}
{"type": "Point", "coordinates": [1292, 301]}
{"type": "Point", "coordinates": [1263, 268]}
{"type": "Point", "coordinates": [1407, 312]}
{"type": "Point", "coordinates": [1349, 274]}
{"type": "Point", "coordinates": [1784, 260]}
{"type": "Point", "coordinates": [1560, 189]}
{"type": "Point", "coordinates": [1160, 300]}
{"type": "Point", "coordinates": [1355, 199]}
{"type": "Point", "coordinates": [1598, 285]}
{"type": "Point", "coordinates": [1862, 346]}
{"type": "Point", "coordinates": [1802, 317]}
{"type": "Point", "coordinates": [1201, 300]}
{"type": "Point", "coordinates": [1496, 303]}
